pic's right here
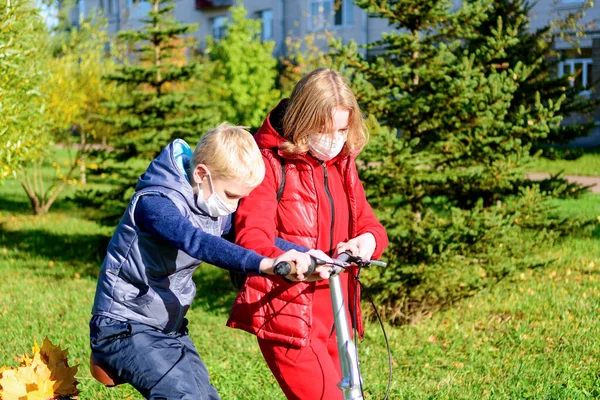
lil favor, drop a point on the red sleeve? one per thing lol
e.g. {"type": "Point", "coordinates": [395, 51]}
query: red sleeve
{"type": "Point", "coordinates": [368, 222]}
{"type": "Point", "coordinates": [255, 219]}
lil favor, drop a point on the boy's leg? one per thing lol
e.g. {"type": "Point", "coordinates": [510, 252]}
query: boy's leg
{"type": "Point", "coordinates": [179, 378]}
{"type": "Point", "coordinates": [150, 360]}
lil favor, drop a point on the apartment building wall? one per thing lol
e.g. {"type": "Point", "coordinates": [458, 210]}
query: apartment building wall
{"type": "Point", "coordinates": [290, 18]}
{"type": "Point", "coordinates": [545, 11]}
{"type": "Point", "coordinates": [298, 19]}
{"type": "Point", "coordinates": [585, 62]}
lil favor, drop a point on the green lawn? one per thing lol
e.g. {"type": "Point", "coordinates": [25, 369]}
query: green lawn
{"type": "Point", "coordinates": [586, 165]}
{"type": "Point", "coordinates": [534, 335]}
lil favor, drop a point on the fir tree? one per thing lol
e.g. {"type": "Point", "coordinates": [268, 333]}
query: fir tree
{"type": "Point", "coordinates": [158, 108]}
{"type": "Point", "coordinates": [536, 49]}
{"type": "Point", "coordinates": [446, 171]}
{"type": "Point", "coordinates": [160, 105]}
{"type": "Point", "coordinates": [244, 72]}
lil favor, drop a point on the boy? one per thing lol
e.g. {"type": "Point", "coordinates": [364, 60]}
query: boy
{"type": "Point", "coordinates": [174, 221]}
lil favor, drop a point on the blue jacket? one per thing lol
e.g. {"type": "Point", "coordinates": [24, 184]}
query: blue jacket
{"type": "Point", "coordinates": [147, 273]}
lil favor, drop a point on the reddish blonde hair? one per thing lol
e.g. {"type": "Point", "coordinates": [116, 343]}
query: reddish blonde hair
{"type": "Point", "coordinates": [310, 107]}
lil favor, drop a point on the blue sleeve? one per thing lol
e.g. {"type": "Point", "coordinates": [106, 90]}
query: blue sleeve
{"type": "Point", "coordinates": [287, 246]}
{"type": "Point", "coordinates": [158, 216]}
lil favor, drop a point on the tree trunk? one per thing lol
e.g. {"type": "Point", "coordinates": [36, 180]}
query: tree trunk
{"type": "Point", "coordinates": [82, 175]}
{"type": "Point", "coordinates": [36, 207]}
{"type": "Point", "coordinates": [40, 211]}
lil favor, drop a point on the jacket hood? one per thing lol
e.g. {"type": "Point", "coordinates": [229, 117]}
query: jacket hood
{"type": "Point", "coordinates": [169, 171]}
{"type": "Point", "coordinates": [270, 134]}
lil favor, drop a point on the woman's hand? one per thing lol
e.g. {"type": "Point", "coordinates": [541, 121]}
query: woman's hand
{"type": "Point", "coordinates": [322, 270]}
{"type": "Point", "coordinates": [362, 246]}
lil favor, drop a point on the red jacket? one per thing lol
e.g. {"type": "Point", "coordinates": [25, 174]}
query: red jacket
{"type": "Point", "coordinates": [269, 307]}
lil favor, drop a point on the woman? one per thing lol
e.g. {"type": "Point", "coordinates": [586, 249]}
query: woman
{"type": "Point", "coordinates": [316, 136]}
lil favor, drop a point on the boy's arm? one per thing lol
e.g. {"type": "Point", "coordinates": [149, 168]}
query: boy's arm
{"type": "Point", "coordinates": [286, 246]}
{"type": "Point", "coordinates": [158, 216]}
{"type": "Point", "coordinates": [282, 244]}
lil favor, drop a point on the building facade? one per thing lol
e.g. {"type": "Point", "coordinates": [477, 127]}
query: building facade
{"type": "Point", "coordinates": [583, 64]}
{"type": "Point", "coordinates": [297, 19]}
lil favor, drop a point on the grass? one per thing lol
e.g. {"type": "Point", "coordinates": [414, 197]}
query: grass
{"type": "Point", "coordinates": [586, 165]}
{"type": "Point", "coordinates": [534, 335]}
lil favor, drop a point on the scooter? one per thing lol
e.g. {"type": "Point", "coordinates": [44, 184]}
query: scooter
{"type": "Point", "coordinates": [351, 383]}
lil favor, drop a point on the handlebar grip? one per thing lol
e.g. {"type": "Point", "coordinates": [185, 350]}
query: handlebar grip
{"type": "Point", "coordinates": [312, 267]}
{"type": "Point", "coordinates": [284, 268]}
{"type": "Point", "coordinates": [347, 257]}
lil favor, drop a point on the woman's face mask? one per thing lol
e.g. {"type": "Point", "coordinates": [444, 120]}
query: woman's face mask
{"type": "Point", "coordinates": [214, 205]}
{"type": "Point", "coordinates": [325, 146]}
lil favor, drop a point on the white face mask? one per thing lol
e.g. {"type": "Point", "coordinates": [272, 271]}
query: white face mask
{"type": "Point", "coordinates": [325, 147]}
{"type": "Point", "coordinates": [214, 205]}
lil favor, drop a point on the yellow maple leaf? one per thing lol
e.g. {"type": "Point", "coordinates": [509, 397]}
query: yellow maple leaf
{"type": "Point", "coordinates": [63, 376]}
{"type": "Point", "coordinates": [41, 369]}
{"type": "Point", "coordinates": [65, 382]}
{"type": "Point", "coordinates": [11, 388]}
{"type": "Point", "coordinates": [24, 360]}
{"type": "Point", "coordinates": [53, 355]}
{"type": "Point", "coordinates": [25, 383]}
{"type": "Point", "coordinates": [42, 376]}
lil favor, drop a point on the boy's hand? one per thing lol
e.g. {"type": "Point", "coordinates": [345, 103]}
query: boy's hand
{"type": "Point", "coordinates": [300, 260]}
{"type": "Point", "coordinates": [362, 246]}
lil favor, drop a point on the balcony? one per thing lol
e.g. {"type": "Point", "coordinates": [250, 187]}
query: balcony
{"type": "Point", "coordinates": [211, 4]}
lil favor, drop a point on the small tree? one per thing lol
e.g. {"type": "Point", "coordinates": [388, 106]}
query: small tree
{"type": "Point", "coordinates": [244, 76]}
{"type": "Point", "coordinates": [22, 73]}
{"type": "Point", "coordinates": [74, 91]}
{"type": "Point", "coordinates": [158, 105]}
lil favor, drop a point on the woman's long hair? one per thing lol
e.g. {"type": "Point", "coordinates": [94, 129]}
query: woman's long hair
{"type": "Point", "coordinates": [310, 107]}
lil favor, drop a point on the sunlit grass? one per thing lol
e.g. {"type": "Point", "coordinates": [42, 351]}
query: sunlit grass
{"type": "Point", "coordinates": [534, 335]}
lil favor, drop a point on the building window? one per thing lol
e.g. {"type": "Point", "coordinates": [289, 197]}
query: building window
{"type": "Point", "coordinates": [321, 12]}
{"type": "Point", "coordinates": [326, 13]}
{"type": "Point", "coordinates": [218, 27]}
{"type": "Point", "coordinates": [344, 13]}
{"type": "Point", "coordinates": [109, 7]}
{"type": "Point", "coordinates": [266, 24]}
{"type": "Point", "coordinates": [579, 71]}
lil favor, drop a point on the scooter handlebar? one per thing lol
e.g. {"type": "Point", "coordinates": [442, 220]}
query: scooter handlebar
{"type": "Point", "coordinates": [284, 268]}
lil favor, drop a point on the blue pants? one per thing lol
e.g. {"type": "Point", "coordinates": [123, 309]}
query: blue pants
{"type": "Point", "coordinates": [161, 366]}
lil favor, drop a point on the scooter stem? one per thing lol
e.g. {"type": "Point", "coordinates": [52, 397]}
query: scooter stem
{"type": "Point", "coordinates": [351, 380]}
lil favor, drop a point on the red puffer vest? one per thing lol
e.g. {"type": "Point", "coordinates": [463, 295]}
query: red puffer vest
{"type": "Point", "coordinates": [268, 306]}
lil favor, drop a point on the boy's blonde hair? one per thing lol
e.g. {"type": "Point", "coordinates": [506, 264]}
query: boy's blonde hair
{"type": "Point", "coordinates": [230, 152]}
{"type": "Point", "coordinates": [310, 107]}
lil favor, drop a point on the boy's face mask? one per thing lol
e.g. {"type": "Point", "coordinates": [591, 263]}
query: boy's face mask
{"type": "Point", "coordinates": [214, 206]}
{"type": "Point", "coordinates": [326, 146]}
